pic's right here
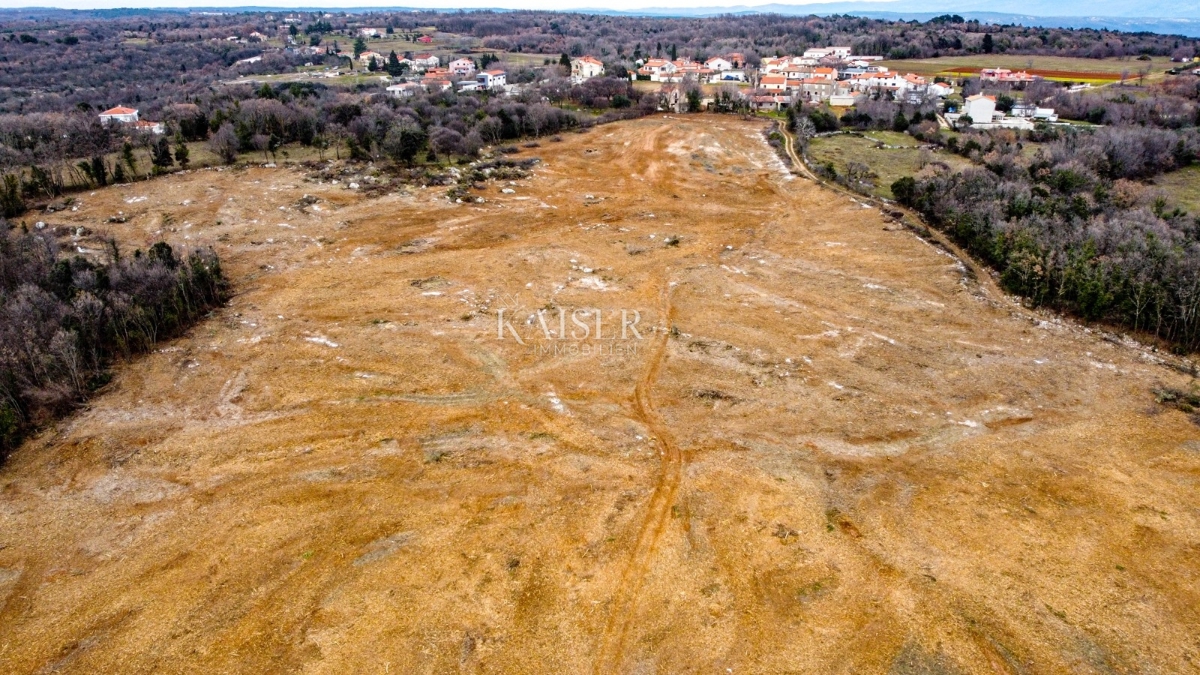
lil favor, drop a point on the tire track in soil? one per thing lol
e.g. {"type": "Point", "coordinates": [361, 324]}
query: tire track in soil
{"type": "Point", "coordinates": [658, 509]}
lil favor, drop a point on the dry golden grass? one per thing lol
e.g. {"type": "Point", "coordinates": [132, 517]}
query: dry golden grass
{"type": "Point", "coordinates": [831, 452]}
{"type": "Point", "coordinates": [1060, 68]}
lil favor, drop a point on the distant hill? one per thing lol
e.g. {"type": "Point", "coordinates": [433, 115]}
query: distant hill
{"type": "Point", "coordinates": [1152, 16]}
{"type": "Point", "coordinates": [1065, 9]}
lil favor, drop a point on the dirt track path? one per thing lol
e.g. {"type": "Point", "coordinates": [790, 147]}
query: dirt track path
{"type": "Point", "coordinates": [624, 604]}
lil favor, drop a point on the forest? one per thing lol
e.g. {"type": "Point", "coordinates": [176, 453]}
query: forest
{"type": "Point", "coordinates": [65, 320]}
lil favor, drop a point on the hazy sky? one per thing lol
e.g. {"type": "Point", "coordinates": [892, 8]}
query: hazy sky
{"type": "Point", "coordinates": [434, 4]}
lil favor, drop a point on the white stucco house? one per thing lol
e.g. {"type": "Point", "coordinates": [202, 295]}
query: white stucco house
{"type": "Point", "coordinates": [119, 114]}
{"type": "Point", "coordinates": [940, 90]}
{"type": "Point", "coordinates": [718, 64]}
{"type": "Point", "coordinates": [462, 66]}
{"type": "Point", "coordinates": [585, 68]}
{"type": "Point", "coordinates": [426, 61]}
{"type": "Point", "coordinates": [980, 108]}
{"type": "Point", "coordinates": [659, 70]}
{"type": "Point", "coordinates": [403, 90]}
{"type": "Point", "coordinates": [823, 52]}
{"type": "Point", "coordinates": [491, 79]}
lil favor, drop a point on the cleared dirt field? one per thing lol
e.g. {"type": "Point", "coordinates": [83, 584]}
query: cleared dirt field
{"type": "Point", "coordinates": [829, 450]}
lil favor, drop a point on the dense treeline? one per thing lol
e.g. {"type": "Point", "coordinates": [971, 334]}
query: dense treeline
{"type": "Point", "coordinates": [451, 124]}
{"type": "Point", "coordinates": [1071, 228]}
{"type": "Point", "coordinates": [64, 320]}
{"type": "Point", "coordinates": [1170, 109]}
{"type": "Point", "coordinates": [143, 61]}
{"type": "Point", "coordinates": [616, 37]}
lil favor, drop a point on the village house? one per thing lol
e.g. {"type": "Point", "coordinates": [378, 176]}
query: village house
{"type": "Point", "coordinates": [123, 115]}
{"type": "Point", "coordinates": [403, 90]}
{"type": "Point", "coordinates": [463, 66]}
{"type": "Point", "coordinates": [886, 81]}
{"type": "Point", "coordinates": [426, 61]}
{"type": "Point", "coordinates": [981, 111]}
{"type": "Point", "coordinates": [436, 74]}
{"type": "Point", "coordinates": [778, 64]}
{"type": "Point", "coordinates": [585, 68]}
{"type": "Point", "coordinates": [769, 101]}
{"type": "Point", "coordinates": [370, 32]}
{"type": "Point", "coordinates": [491, 79]}
{"type": "Point", "coordinates": [806, 77]}
{"type": "Point", "coordinates": [718, 64]}
{"type": "Point", "coordinates": [816, 89]}
{"type": "Point", "coordinates": [658, 70]}
{"type": "Point", "coordinates": [119, 114]}
{"type": "Point", "coordinates": [425, 40]}
{"type": "Point", "coordinates": [686, 67]}
{"type": "Point", "coordinates": [773, 83]}
{"type": "Point", "coordinates": [366, 57]}
{"type": "Point", "coordinates": [1032, 111]}
{"type": "Point", "coordinates": [843, 98]}
{"type": "Point", "coordinates": [1005, 75]}
{"type": "Point", "coordinates": [661, 70]}
{"type": "Point", "coordinates": [980, 108]}
{"type": "Point", "coordinates": [772, 64]}
{"type": "Point", "coordinates": [825, 52]}
{"type": "Point", "coordinates": [939, 89]}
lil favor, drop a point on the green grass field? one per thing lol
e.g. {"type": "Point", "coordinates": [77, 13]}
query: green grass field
{"type": "Point", "coordinates": [887, 164]}
{"type": "Point", "coordinates": [893, 138]}
{"type": "Point", "coordinates": [444, 43]}
{"type": "Point", "coordinates": [1182, 188]}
